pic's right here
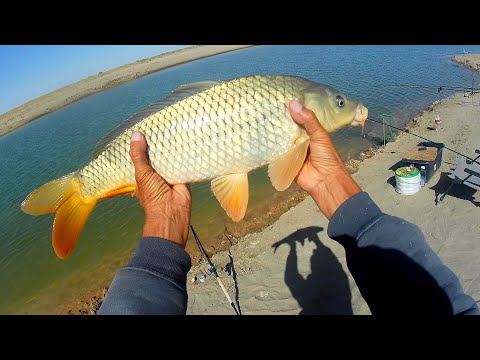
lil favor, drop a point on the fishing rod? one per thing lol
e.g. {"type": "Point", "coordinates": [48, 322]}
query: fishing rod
{"type": "Point", "coordinates": [213, 269]}
{"type": "Point", "coordinates": [421, 137]}
{"type": "Point", "coordinates": [425, 86]}
{"type": "Point", "coordinates": [439, 88]}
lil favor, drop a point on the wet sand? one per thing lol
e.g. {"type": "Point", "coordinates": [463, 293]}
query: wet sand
{"type": "Point", "coordinates": [59, 98]}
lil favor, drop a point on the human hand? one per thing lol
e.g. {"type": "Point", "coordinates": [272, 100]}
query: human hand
{"type": "Point", "coordinates": [167, 208]}
{"type": "Point", "coordinates": [323, 175]}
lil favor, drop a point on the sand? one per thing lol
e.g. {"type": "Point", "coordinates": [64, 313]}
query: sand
{"type": "Point", "coordinates": [307, 274]}
{"type": "Point", "coordinates": [471, 61]}
{"type": "Point", "coordinates": [59, 98]}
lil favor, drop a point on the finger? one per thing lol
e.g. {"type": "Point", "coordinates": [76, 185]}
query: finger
{"type": "Point", "coordinates": [138, 152]}
{"type": "Point", "coordinates": [306, 117]}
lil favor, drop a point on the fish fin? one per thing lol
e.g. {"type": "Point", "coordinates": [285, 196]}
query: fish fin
{"type": "Point", "coordinates": [47, 198]}
{"type": "Point", "coordinates": [198, 86]}
{"type": "Point", "coordinates": [68, 224]}
{"type": "Point", "coordinates": [72, 210]}
{"type": "Point", "coordinates": [123, 190]}
{"type": "Point", "coordinates": [178, 94]}
{"type": "Point", "coordinates": [232, 193]}
{"type": "Point", "coordinates": [283, 170]}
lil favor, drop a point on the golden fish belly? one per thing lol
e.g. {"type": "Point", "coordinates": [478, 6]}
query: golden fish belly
{"type": "Point", "coordinates": [231, 128]}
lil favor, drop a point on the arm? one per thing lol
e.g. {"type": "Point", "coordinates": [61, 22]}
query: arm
{"type": "Point", "coordinates": [394, 267]}
{"type": "Point", "coordinates": [154, 281]}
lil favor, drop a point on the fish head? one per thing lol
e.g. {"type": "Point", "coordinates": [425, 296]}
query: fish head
{"type": "Point", "coordinates": [334, 109]}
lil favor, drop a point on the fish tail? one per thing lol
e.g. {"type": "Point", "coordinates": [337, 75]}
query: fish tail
{"type": "Point", "coordinates": [62, 196]}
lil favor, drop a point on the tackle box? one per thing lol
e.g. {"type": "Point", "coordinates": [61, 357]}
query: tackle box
{"type": "Point", "coordinates": [428, 154]}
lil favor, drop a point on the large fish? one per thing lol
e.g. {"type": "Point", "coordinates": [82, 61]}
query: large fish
{"type": "Point", "coordinates": [206, 131]}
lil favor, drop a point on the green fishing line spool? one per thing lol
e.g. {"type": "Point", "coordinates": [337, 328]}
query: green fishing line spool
{"type": "Point", "coordinates": [407, 180]}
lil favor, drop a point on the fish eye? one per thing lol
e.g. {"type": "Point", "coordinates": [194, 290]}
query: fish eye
{"type": "Point", "coordinates": [339, 100]}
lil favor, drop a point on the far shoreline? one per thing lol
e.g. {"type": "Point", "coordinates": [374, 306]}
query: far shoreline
{"type": "Point", "coordinates": [470, 61]}
{"type": "Point", "coordinates": [66, 95]}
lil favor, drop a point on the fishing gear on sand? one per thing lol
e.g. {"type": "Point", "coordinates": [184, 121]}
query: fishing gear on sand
{"type": "Point", "coordinates": [213, 269]}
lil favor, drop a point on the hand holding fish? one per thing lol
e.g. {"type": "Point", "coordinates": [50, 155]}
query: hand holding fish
{"type": "Point", "coordinates": [167, 208]}
{"type": "Point", "coordinates": [323, 174]}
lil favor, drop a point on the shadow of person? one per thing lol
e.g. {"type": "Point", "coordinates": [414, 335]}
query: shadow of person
{"type": "Point", "coordinates": [326, 290]}
{"type": "Point", "coordinates": [460, 191]}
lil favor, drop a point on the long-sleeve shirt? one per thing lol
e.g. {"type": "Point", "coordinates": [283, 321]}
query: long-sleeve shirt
{"type": "Point", "coordinates": [393, 266]}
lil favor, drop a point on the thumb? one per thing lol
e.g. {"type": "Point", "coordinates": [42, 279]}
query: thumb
{"type": "Point", "coordinates": [306, 117]}
{"type": "Point", "coordinates": [138, 152]}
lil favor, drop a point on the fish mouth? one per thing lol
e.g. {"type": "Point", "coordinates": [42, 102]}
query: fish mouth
{"type": "Point", "coordinates": [361, 116]}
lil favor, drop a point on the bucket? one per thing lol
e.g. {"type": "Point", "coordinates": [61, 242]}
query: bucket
{"type": "Point", "coordinates": [407, 180]}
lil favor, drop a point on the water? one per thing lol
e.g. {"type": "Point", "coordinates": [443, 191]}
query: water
{"type": "Point", "coordinates": [33, 280]}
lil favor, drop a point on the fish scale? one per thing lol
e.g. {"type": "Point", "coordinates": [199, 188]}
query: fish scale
{"type": "Point", "coordinates": [203, 123]}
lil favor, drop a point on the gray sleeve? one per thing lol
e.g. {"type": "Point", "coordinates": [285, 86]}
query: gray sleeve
{"type": "Point", "coordinates": [153, 282]}
{"type": "Point", "coordinates": [395, 269]}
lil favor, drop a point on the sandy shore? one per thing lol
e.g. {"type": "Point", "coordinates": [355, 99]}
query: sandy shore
{"type": "Point", "coordinates": [105, 80]}
{"type": "Point", "coordinates": [471, 61]}
{"type": "Point", "coordinates": [313, 277]}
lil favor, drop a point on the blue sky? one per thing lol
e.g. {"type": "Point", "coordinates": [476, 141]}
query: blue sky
{"type": "Point", "coordinates": [29, 71]}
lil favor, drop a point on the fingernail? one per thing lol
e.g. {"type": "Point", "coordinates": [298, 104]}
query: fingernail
{"type": "Point", "coordinates": [136, 136]}
{"type": "Point", "coordinates": [296, 106]}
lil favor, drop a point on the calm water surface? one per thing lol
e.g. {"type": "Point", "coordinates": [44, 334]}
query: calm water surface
{"type": "Point", "coordinates": [33, 280]}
